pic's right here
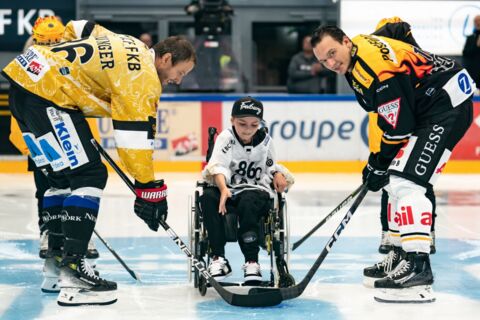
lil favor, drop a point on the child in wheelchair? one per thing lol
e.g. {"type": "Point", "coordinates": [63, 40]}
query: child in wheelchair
{"type": "Point", "coordinates": [242, 167]}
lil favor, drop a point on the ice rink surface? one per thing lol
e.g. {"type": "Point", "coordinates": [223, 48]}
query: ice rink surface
{"type": "Point", "coordinates": [336, 291]}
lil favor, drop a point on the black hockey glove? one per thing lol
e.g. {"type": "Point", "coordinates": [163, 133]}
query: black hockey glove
{"type": "Point", "coordinates": [375, 173]}
{"type": "Point", "coordinates": [151, 202]}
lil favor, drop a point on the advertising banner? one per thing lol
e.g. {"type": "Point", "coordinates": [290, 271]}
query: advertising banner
{"type": "Point", "coordinates": [18, 17]}
{"type": "Point", "coordinates": [441, 31]}
{"type": "Point", "coordinates": [314, 130]}
{"type": "Point", "coordinates": [469, 147]}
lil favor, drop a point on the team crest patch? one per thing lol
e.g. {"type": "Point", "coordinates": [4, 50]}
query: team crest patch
{"type": "Point", "coordinates": [390, 111]}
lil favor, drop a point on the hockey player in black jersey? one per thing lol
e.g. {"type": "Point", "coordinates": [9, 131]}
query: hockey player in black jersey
{"type": "Point", "coordinates": [242, 167]}
{"type": "Point", "coordinates": [424, 107]}
{"type": "Point", "coordinates": [397, 29]}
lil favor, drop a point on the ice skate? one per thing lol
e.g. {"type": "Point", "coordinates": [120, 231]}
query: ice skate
{"type": "Point", "coordinates": [433, 248]}
{"type": "Point", "coordinates": [79, 285]}
{"type": "Point", "coordinates": [42, 253]}
{"type": "Point", "coordinates": [411, 283]}
{"type": "Point", "coordinates": [380, 270]}
{"type": "Point", "coordinates": [51, 272]}
{"type": "Point", "coordinates": [385, 244]}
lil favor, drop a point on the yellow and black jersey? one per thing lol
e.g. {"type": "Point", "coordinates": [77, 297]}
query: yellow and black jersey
{"type": "Point", "coordinates": [402, 83]}
{"type": "Point", "coordinates": [77, 29]}
{"type": "Point", "coordinates": [397, 29]}
{"type": "Point", "coordinates": [110, 75]}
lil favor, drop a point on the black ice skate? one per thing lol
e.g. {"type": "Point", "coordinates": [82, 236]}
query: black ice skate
{"type": "Point", "coordinates": [80, 285]}
{"type": "Point", "coordinates": [51, 272]}
{"type": "Point", "coordinates": [391, 262]}
{"type": "Point", "coordinates": [385, 244]}
{"type": "Point", "coordinates": [409, 283]}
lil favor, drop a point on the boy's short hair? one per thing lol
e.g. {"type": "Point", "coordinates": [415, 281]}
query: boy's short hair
{"type": "Point", "coordinates": [247, 107]}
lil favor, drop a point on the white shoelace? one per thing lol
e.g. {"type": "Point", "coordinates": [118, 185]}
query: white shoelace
{"type": "Point", "coordinates": [405, 267]}
{"type": "Point", "coordinates": [217, 265]}
{"type": "Point", "coordinates": [88, 270]}
{"type": "Point", "coordinates": [387, 263]}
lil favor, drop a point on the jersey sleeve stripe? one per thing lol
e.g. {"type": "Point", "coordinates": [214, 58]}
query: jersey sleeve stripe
{"type": "Point", "coordinates": [132, 125]}
{"type": "Point", "coordinates": [129, 139]}
{"type": "Point", "coordinates": [393, 141]}
{"type": "Point", "coordinates": [78, 27]}
{"type": "Point", "coordinates": [88, 29]}
{"type": "Point", "coordinates": [406, 136]}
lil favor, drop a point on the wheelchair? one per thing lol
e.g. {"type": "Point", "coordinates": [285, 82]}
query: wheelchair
{"type": "Point", "coordinates": [273, 237]}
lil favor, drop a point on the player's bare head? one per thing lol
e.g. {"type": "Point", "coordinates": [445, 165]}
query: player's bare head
{"type": "Point", "coordinates": [332, 48]}
{"type": "Point", "coordinates": [147, 39]}
{"type": "Point", "coordinates": [174, 58]}
{"type": "Point", "coordinates": [476, 22]}
{"type": "Point", "coordinates": [47, 30]}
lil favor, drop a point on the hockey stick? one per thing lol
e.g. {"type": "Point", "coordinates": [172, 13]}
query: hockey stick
{"type": "Point", "coordinates": [132, 273]}
{"type": "Point", "coordinates": [324, 220]}
{"type": "Point", "coordinates": [261, 299]}
{"type": "Point", "coordinates": [297, 290]}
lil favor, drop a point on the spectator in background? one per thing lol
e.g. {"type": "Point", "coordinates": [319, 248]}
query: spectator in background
{"type": "Point", "coordinates": [147, 39]}
{"type": "Point", "coordinates": [471, 53]}
{"type": "Point", "coordinates": [305, 73]}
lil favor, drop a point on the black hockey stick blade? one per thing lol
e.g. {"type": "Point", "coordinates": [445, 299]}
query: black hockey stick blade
{"type": "Point", "coordinates": [297, 290]}
{"type": "Point", "coordinates": [262, 299]}
{"type": "Point", "coordinates": [327, 217]}
{"type": "Point", "coordinates": [124, 265]}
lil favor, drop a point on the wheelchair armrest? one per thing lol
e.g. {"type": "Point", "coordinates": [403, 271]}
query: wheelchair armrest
{"type": "Point", "coordinates": [202, 184]}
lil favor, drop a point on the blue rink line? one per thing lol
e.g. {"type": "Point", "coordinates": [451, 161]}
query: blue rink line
{"type": "Point", "coordinates": [22, 269]}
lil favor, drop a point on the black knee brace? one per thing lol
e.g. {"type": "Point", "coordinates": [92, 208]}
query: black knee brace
{"type": "Point", "coordinates": [249, 237]}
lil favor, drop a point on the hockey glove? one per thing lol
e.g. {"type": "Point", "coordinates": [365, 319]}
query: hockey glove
{"type": "Point", "coordinates": [151, 202]}
{"type": "Point", "coordinates": [374, 174]}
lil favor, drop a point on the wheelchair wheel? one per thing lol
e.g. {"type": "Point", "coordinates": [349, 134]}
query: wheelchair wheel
{"type": "Point", "coordinates": [202, 285]}
{"type": "Point", "coordinates": [286, 280]}
{"type": "Point", "coordinates": [190, 215]}
{"type": "Point", "coordinates": [196, 250]}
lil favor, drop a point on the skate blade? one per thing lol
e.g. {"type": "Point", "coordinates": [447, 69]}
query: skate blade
{"type": "Point", "coordinates": [50, 285]}
{"type": "Point", "coordinates": [80, 297]}
{"type": "Point", "coordinates": [419, 294]}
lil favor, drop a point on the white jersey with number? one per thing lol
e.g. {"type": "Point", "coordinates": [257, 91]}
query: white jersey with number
{"type": "Point", "coordinates": [249, 166]}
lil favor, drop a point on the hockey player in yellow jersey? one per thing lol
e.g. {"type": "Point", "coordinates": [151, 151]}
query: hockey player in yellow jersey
{"type": "Point", "coordinates": [47, 31]}
{"type": "Point", "coordinates": [424, 106]}
{"type": "Point", "coordinates": [52, 89]}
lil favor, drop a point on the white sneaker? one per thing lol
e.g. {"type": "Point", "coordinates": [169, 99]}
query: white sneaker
{"type": "Point", "coordinates": [219, 268]}
{"type": "Point", "coordinates": [252, 271]}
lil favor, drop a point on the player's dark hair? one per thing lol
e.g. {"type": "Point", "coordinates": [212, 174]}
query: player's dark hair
{"type": "Point", "coordinates": [179, 47]}
{"type": "Point", "coordinates": [333, 31]}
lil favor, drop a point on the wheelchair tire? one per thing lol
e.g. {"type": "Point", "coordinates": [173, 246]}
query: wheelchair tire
{"type": "Point", "coordinates": [202, 285]}
{"type": "Point", "coordinates": [286, 280]}
{"type": "Point", "coordinates": [196, 237]}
